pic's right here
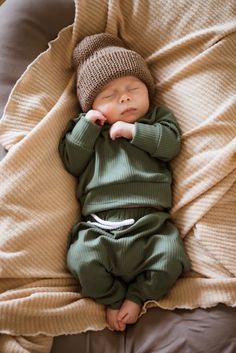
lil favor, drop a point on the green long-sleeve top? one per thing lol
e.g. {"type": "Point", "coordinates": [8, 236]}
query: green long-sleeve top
{"type": "Point", "coordinates": [122, 173]}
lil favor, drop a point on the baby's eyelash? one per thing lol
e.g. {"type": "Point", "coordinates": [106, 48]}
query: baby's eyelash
{"type": "Point", "coordinates": [108, 95]}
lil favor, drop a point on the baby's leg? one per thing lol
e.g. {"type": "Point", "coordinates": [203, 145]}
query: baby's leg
{"type": "Point", "coordinates": [95, 280]}
{"type": "Point", "coordinates": [149, 285]}
{"type": "Point", "coordinates": [106, 289]}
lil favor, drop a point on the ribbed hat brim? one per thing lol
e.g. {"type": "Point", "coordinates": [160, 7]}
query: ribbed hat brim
{"type": "Point", "coordinates": [101, 58]}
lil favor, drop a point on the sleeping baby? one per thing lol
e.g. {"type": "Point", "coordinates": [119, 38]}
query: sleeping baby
{"type": "Point", "coordinates": [125, 250]}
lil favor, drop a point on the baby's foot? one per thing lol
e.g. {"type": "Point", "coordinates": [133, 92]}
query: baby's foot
{"type": "Point", "coordinates": [112, 320]}
{"type": "Point", "coordinates": [129, 312]}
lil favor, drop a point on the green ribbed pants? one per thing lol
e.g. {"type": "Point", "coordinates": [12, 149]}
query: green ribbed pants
{"type": "Point", "coordinates": [138, 262]}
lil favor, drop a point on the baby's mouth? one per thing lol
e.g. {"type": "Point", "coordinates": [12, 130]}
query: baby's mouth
{"type": "Point", "coordinates": [128, 110]}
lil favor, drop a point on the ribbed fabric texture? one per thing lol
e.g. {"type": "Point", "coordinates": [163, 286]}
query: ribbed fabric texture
{"type": "Point", "coordinates": [190, 47]}
{"type": "Point", "coordinates": [127, 252]}
{"type": "Point", "coordinates": [122, 173]}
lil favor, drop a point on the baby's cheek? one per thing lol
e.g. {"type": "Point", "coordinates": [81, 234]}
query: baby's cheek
{"type": "Point", "coordinates": [111, 114]}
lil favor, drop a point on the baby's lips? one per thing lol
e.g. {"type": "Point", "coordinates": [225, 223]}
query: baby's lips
{"type": "Point", "coordinates": [128, 110]}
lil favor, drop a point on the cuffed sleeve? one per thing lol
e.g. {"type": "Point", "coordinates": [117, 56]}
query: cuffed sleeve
{"type": "Point", "coordinates": [84, 134]}
{"type": "Point", "coordinates": [159, 136]}
{"type": "Point", "coordinates": [146, 137]}
{"type": "Point", "coordinates": [76, 146]}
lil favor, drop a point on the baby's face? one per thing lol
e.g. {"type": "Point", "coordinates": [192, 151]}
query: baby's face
{"type": "Point", "coordinates": [123, 99]}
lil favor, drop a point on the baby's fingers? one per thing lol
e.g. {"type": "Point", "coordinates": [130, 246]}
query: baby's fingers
{"type": "Point", "coordinates": [115, 132]}
{"type": "Point", "coordinates": [100, 120]}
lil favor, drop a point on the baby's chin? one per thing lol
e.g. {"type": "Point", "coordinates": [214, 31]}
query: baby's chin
{"type": "Point", "coordinates": [132, 117]}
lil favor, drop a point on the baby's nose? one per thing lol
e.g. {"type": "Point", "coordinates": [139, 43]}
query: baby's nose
{"type": "Point", "coordinates": [124, 98]}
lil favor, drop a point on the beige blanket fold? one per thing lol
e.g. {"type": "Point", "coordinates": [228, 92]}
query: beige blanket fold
{"type": "Point", "coordinates": [192, 57]}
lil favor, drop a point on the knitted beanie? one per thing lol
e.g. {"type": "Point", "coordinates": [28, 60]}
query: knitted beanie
{"type": "Point", "coordinates": [101, 58]}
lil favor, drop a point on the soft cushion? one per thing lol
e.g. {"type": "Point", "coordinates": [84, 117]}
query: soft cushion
{"type": "Point", "coordinates": [26, 27]}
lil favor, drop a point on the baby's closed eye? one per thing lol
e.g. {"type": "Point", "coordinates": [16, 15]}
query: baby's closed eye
{"type": "Point", "coordinates": [108, 95]}
{"type": "Point", "coordinates": [133, 88]}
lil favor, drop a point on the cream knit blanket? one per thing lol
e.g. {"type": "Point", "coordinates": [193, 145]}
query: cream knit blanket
{"type": "Point", "coordinates": [190, 47]}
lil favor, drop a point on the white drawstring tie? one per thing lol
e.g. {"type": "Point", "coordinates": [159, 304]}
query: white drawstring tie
{"type": "Point", "coordinates": [110, 225]}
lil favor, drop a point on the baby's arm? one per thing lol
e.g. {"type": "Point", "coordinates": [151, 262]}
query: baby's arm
{"type": "Point", "coordinates": [161, 138]}
{"type": "Point", "coordinates": [76, 146]}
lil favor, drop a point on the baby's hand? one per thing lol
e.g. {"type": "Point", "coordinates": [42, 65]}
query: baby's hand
{"type": "Point", "coordinates": [122, 129]}
{"type": "Point", "coordinates": [95, 117]}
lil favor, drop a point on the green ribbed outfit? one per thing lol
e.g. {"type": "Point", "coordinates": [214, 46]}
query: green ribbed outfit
{"type": "Point", "coordinates": [118, 180]}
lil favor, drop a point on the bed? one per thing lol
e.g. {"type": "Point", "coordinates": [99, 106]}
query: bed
{"type": "Point", "coordinates": [190, 47]}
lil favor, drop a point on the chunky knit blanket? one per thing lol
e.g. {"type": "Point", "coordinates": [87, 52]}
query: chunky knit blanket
{"type": "Point", "coordinates": [190, 48]}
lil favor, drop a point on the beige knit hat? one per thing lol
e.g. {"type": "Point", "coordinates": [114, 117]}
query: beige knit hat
{"type": "Point", "coordinates": [101, 58]}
